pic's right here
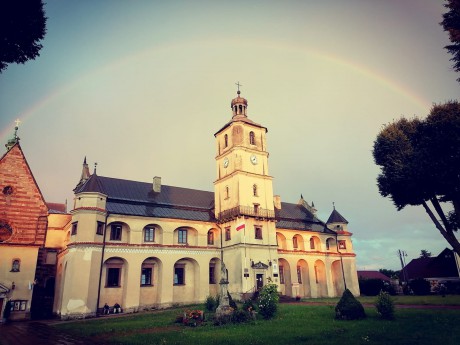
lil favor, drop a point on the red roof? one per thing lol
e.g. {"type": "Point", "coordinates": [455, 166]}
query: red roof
{"type": "Point", "coordinates": [372, 275]}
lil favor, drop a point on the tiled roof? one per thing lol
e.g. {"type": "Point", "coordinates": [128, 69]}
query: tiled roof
{"type": "Point", "coordinates": [56, 207]}
{"type": "Point", "coordinates": [297, 217]}
{"type": "Point", "coordinates": [372, 275]}
{"type": "Point", "coordinates": [138, 199]}
{"type": "Point", "coordinates": [336, 217]}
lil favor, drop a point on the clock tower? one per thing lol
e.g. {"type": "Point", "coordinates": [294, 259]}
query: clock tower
{"type": "Point", "coordinates": [244, 201]}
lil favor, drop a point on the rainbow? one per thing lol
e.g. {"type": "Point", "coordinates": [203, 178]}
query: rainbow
{"type": "Point", "coordinates": [403, 90]}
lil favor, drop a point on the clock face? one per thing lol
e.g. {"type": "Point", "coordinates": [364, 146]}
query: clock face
{"type": "Point", "coordinates": [225, 162]}
{"type": "Point", "coordinates": [254, 159]}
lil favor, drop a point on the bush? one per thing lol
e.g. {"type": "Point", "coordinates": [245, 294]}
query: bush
{"type": "Point", "coordinates": [240, 316]}
{"type": "Point", "coordinates": [268, 301]}
{"type": "Point", "coordinates": [211, 303]}
{"type": "Point", "coordinates": [349, 308]}
{"type": "Point", "coordinates": [385, 306]}
{"type": "Point", "coordinates": [248, 305]}
{"type": "Point", "coordinates": [420, 286]}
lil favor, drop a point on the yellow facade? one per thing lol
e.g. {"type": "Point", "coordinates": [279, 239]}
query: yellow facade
{"type": "Point", "coordinates": [119, 249]}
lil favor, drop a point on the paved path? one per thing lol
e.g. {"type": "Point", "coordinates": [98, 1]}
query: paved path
{"type": "Point", "coordinates": [35, 333]}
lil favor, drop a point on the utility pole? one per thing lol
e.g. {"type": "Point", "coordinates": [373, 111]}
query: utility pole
{"type": "Point", "coordinates": [402, 254]}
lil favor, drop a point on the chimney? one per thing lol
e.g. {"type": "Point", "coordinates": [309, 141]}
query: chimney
{"type": "Point", "coordinates": [157, 184]}
{"type": "Point", "coordinates": [277, 201]}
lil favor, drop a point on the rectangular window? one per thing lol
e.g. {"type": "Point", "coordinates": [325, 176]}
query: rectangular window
{"type": "Point", "coordinates": [295, 244]}
{"type": "Point", "coordinates": [179, 275]}
{"type": "Point", "coordinates": [146, 276]}
{"type": "Point", "coordinates": [228, 234]}
{"type": "Point", "coordinates": [113, 277]}
{"type": "Point", "coordinates": [312, 243]}
{"type": "Point", "coordinates": [212, 274]}
{"type": "Point", "coordinates": [182, 236]}
{"type": "Point", "coordinates": [149, 235]}
{"type": "Point", "coordinates": [258, 232]}
{"type": "Point", "coordinates": [74, 228]}
{"type": "Point", "coordinates": [342, 244]}
{"type": "Point", "coordinates": [281, 268]}
{"type": "Point", "coordinates": [100, 228]}
{"type": "Point", "coordinates": [115, 233]}
{"type": "Point", "coordinates": [328, 245]}
{"type": "Point", "coordinates": [299, 274]}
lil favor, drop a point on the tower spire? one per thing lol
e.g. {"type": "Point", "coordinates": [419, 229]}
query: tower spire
{"type": "Point", "coordinates": [239, 104]}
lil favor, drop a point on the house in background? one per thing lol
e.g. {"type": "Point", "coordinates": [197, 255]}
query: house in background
{"type": "Point", "coordinates": [441, 269]}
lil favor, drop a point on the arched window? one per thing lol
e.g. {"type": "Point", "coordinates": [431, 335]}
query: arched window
{"type": "Point", "coordinates": [15, 265]}
{"type": "Point", "coordinates": [252, 138]}
{"type": "Point", "coordinates": [312, 243]}
{"type": "Point", "coordinates": [226, 140]}
{"type": "Point", "coordinates": [210, 237]}
{"type": "Point", "coordinates": [254, 190]}
{"type": "Point", "coordinates": [295, 244]}
{"type": "Point", "coordinates": [227, 192]}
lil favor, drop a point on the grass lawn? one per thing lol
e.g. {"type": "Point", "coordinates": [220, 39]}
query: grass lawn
{"type": "Point", "coordinates": [294, 324]}
{"type": "Point", "coordinates": [400, 299]}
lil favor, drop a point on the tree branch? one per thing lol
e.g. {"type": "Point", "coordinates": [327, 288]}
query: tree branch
{"type": "Point", "coordinates": [434, 200]}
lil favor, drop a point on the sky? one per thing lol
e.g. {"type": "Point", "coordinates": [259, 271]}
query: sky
{"type": "Point", "coordinates": [140, 87]}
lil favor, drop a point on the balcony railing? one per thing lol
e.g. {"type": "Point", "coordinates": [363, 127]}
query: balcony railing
{"type": "Point", "coordinates": [246, 211]}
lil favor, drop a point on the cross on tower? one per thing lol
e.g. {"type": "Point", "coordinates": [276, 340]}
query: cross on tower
{"type": "Point", "coordinates": [238, 84]}
{"type": "Point", "coordinates": [17, 122]}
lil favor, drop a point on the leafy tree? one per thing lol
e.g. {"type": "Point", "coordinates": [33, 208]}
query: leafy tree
{"type": "Point", "coordinates": [425, 254]}
{"type": "Point", "coordinates": [420, 162]}
{"type": "Point", "coordinates": [390, 273]}
{"type": "Point", "coordinates": [451, 24]}
{"type": "Point", "coordinates": [22, 26]}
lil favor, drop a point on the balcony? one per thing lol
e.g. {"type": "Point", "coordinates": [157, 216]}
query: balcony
{"type": "Point", "coordinates": [248, 211]}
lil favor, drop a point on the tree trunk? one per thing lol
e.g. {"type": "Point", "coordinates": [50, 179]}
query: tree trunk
{"type": "Point", "coordinates": [449, 236]}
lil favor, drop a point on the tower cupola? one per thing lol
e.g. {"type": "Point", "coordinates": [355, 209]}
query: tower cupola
{"type": "Point", "coordinates": [239, 104]}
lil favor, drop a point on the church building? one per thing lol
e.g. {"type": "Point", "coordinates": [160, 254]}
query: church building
{"type": "Point", "coordinates": [145, 245]}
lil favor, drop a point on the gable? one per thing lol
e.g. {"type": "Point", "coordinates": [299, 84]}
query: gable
{"type": "Point", "coordinates": [24, 211]}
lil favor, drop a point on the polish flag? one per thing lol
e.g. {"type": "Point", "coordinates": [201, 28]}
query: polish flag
{"type": "Point", "coordinates": [240, 227]}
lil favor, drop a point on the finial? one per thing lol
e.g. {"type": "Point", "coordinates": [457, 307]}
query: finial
{"type": "Point", "coordinates": [238, 84]}
{"type": "Point", "coordinates": [333, 205]}
{"type": "Point", "coordinates": [301, 196]}
{"type": "Point", "coordinates": [84, 161]}
{"type": "Point", "coordinates": [95, 166]}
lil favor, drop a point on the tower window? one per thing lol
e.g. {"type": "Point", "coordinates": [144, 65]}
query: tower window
{"type": "Point", "coordinates": [100, 228]}
{"type": "Point", "coordinates": [74, 228]}
{"type": "Point", "coordinates": [342, 244]}
{"type": "Point", "coordinates": [258, 232]}
{"type": "Point", "coordinates": [227, 192]}
{"type": "Point", "coordinates": [312, 243]}
{"type": "Point", "coordinates": [295, 244]}
{"type": "Point", "coordinates": [252, 139]}
{"type": "Point", "coordinates": [225, 140]}
{"type": "Point", "coordinates": [254, 190]}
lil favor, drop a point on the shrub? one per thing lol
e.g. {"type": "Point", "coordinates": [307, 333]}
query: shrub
{"type": "Point", "coordinates": [268, 301]}
{"type": "Point", "coordinates": [420, 286]}
{"type": "Point", "coordinates": [349, 308]}
{"type": "Point", "coordinates": [385, 306]}
{"type": "Point", "coordinates": [248, 305]}
{"type": "Point", "coordinates": [240, 316]}
{"type": "Point", "coordinates": [211, 303]}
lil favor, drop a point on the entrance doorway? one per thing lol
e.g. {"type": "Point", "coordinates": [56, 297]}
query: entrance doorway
{"type": "Point", "coordinates": [259, 281]}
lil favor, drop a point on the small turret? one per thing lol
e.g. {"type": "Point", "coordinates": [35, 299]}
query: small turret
{"type": "Point", "coordinates": [85, 175]}
{"type": "Point", "coordinates": [15, 139]}
{"type": "Point", "coordinates": [336, 221]}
